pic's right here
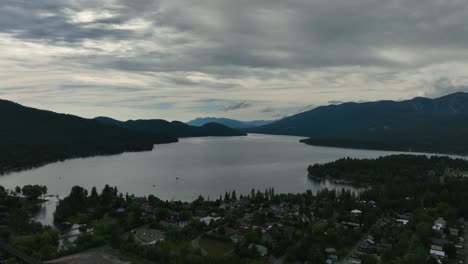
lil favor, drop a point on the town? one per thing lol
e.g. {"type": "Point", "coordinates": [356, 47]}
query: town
{"type": "Point", "coordinates": [352, 225]}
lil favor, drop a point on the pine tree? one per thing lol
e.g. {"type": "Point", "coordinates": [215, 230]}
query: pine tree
{"type": "Point", "coordinates": [233, 196]}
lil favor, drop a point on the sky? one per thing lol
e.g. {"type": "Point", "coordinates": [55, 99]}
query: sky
{"type": "Point", "coordinates": [244, 59]}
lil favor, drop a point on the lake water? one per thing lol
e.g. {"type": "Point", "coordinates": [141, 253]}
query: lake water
{"type": "Point", "coordinates": [195, 166]}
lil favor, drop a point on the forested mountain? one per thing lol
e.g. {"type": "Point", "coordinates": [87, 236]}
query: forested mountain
{"type": "Point", "coordinates": [419, 124]}
{"type": "Point", "coordinates": [228, 122]}
{"type": "Point", "coordinates": [174, 128]}
{"type": "Point", "coordinates": [30, 137]}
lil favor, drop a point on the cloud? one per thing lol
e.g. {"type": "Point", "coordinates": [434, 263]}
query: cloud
{"type": "Point", "coordinates": [445, 86]}
{"type": "Point", "coordinates": [158, 58]}
{"type": "Point", "coordinates": [234, 107]}
{"type": "Point", "coordinates": [267, 110]}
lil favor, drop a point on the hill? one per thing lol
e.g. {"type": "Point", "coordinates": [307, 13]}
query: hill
{"type": "Point", "coordinates": [30, 137]}
{"type": "Point", "coordinates": [174, 128]}
{"type": "Point", "coordinates": [420, 124]}
{"type": "Point", "coordinates": [228, 122]}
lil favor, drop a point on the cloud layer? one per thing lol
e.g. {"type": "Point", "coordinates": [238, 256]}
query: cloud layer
{"type": "Point", "coordinates": [179, 59]}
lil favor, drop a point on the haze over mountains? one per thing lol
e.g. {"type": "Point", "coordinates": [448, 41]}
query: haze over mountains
{"type": "Point", "coordinates": [419, 124]}
{"type": "Point", "coordinates": [174, 128]}
{"type": "Point", "coordinates": [228, 122]}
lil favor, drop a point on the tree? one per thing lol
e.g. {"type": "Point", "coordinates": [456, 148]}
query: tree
{"type": "Point", "coordinates": [233, 196]}
{"type": "Point", "coordinates": [33, 192]}
{"type": "Point", "coordinates": [451, 250]}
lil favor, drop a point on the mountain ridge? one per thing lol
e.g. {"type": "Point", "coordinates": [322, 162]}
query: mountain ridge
{"type": "Point", "coordinates": [232, 123]}
{"type": "Point", "coordinates": [31, 137]}
{"type": "Point", "coordinates": [417, 124]}
{"type": "Point", "coordinates": [174, 128]}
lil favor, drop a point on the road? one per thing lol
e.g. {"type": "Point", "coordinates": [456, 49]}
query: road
{"type": "Point", "coordinates": [356, 246]}
{"type": "Point", "coordinates": [466, 242]}
{"type": "Point", "coordinates": [25, 258]}
{"type": "Point", "coordinates": [196, 245]}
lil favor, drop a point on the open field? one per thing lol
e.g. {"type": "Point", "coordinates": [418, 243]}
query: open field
{"type": "Point", "coordinates": [216, 248]}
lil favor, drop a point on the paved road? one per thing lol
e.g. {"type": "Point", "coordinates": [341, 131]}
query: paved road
{"type": "Point", "coordinates": [356, 246]}
{"type": "Point", "coordinates": [466, 242]}
{"type": "Point", "coordinates": [196, 245]}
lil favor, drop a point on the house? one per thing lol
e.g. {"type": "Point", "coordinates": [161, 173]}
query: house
{"type": "Point", "coordinates": [454, 232]}
{"type": "Point", "coordinates": [183, 224]}
{"type": "Point", "coordinates": [237, 238]}
{"type": "Point", "coordinates": [437, 251]}
{"type": "Point", "coordinates": [261, 250]}
{"type": "Point", "coordinates": [333, 258]}
{"type": "Point", "coordinates": [207, 220]}
{"type": "Point", "coordinates": [353, 260]}
{"type": "Point", "coordinates": [402, 221]}
{"type": "Point", "coordinates": [439, 242]}
{"type": "Point", "coordinates": [351, 224]}
{"type": "Point", "coordinates": [439, 224]}
{"type": "Point", "coordinates": [370, 240]}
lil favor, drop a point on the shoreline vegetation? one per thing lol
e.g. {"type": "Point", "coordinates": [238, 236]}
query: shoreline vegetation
{"type": "Point", "coordinates": [380, 145]}
{"type": "Point", "coordinates": [391, 222]}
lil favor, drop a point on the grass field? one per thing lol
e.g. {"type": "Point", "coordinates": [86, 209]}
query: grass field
{"type": "Point", "coordinates": [216, 248]}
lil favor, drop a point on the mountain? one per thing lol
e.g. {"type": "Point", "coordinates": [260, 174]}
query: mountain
{"type": "Point", "coordinates": [228, 122]}
{"type": "Point", "coordinates": [174, 128]}
{"type": "Point", "coordinates": [420, 124]}
{"type": "Point", "coordinates": [30, 137]}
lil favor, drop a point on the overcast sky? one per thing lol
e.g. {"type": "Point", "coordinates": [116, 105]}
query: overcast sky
{"type": "Point", "coordinates": [245, 59]}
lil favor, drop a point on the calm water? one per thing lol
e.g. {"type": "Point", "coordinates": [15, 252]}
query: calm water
{"type": "Point", "coordinates": [194, 166]}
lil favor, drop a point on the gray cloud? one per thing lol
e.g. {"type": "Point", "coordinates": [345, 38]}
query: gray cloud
{"type": "Point", "coordinates": [286, 53]}
{"type": "Point", "coordinates": [238, 106]}
{"type": "Point", "coordinates": [267, 110]}
{"type": "Point", "coordinates": [445, 86]}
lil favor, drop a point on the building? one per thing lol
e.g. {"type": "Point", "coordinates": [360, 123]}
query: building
{"type": "Point", "coordinates": [402, 221]}
{"type": "Point", "coordinates": [353, 260]}
{"type": "Point", "coordinates": [437, 251]}
{"type": "Point", "coordinates": [261, 250]}
{"type": "Point", "coordinates": [237, 238]}
{"type": "Point", "coordinates": [454, 232]}
{"type": "Point", "coordinates": [439, 224]}
{"type": "Point", "coordinates": [207, 220]}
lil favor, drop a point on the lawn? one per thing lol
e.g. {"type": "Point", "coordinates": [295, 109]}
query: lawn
{"type": "Point", "coordinates": [216, 248]}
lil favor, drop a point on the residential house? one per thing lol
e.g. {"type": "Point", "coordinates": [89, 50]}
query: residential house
{"type": "Point", "coordinates": [261, 250]}
{"type": "Point", "coordinates": [439, 224]}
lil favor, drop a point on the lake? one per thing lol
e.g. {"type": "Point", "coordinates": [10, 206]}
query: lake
{"type": "Point", "coordinates": [206, 166]}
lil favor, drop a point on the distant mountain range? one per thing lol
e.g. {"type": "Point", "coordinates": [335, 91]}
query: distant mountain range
{"type": "Point", "coordinates": [175, 128]}
{"type": "Point", "coordinates": [228, 122]}
{"type": "Point", "coordinates": [419, 124]}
